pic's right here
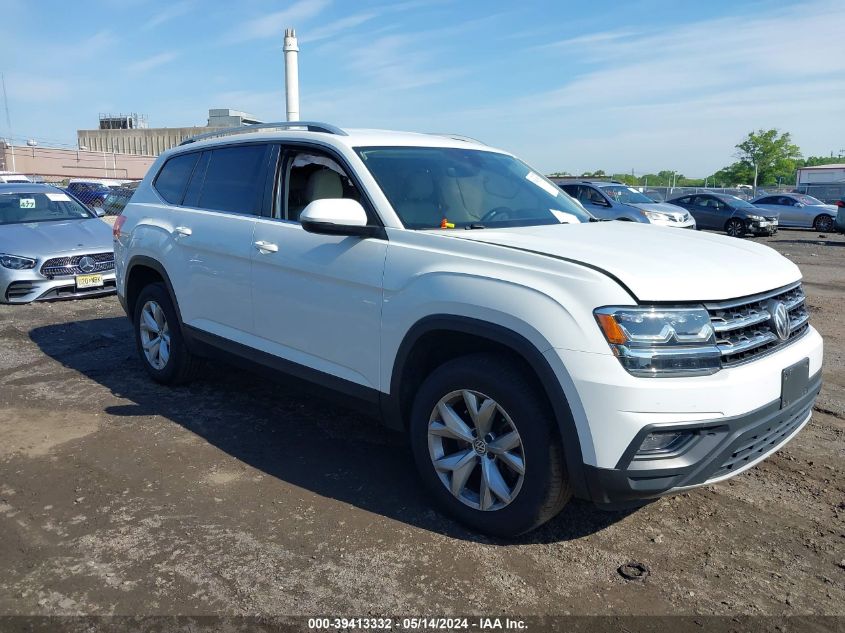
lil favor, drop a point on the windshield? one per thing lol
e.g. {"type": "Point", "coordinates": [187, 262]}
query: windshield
{"type": "Point", "coordinates": [441, 187]}
{"type": "Point", "coordinates": [626, 194]}
{"type": "Point", "coordinates": [41, 206]}
{"type": "Point", "coordinates": [737, 203]}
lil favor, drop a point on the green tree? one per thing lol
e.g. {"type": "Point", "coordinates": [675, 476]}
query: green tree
{"type": "Point", "coordinates": [770, 155]}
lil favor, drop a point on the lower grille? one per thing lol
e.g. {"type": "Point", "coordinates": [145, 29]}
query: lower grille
{"type": "Point", "coordinates": [760, 441]}
{"type": "Point", "coordinates": [66, 266]}
{"type": "Point", "coordinates": [19, 290]}
{"type": "Point", "coordinates": [746, 329]}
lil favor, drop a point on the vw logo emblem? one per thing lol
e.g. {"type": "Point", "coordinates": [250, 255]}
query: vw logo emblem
{"type": "Point", "coordinates": [480, 446]}
{"type": "Point", "coordinates": [87, 264]}
{"type": "Point", "coordinates": [780, 320]}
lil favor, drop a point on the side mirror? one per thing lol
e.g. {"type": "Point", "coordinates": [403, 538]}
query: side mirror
{"type": "Point", "coordinates": [336, 216]}
{"type": "Point", "coordinates": [99, 211]}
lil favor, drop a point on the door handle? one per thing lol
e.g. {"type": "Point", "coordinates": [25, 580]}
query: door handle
{"type": "Point", "coordinates": [267, 247]}
{"type": "Point", "coordinates": [182, 231]}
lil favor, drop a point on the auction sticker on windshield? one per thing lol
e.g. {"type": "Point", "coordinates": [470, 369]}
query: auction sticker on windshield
{"type": "Point", "coordinates": [541, 182]}
{"type": "Point", "coordinates": [27, 203]}
{"type": "Point", "coordinates": [58, 197]}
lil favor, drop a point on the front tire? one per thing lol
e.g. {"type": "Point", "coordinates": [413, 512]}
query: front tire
{"type": "Point", "coordinates": [486, 446]}
{"type": "Point", "coordinates": [159, 338]}
{"type": "Point", "coordinates": [735, 228]}
{"type": "Point", "coordinates": [823, 224]}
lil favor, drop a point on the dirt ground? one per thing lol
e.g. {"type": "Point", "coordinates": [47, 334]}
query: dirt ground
{"type": "Point", "coordinates": [240, 496]}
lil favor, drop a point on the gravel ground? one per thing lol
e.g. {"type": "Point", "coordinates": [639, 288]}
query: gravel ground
{"type": "Point", "coordinates": [241, 496]}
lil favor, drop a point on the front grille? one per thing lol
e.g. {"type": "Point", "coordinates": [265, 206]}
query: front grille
{"type": "Point", "coordinates": [760, 441]}
{"type": "Point", "coordinates": [744, 329]}
{"type": "Point", "coordinates": [66, 266]}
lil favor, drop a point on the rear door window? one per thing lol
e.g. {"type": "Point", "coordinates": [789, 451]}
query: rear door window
{"type": "Point", "coordinates": [173, 177]}
{"type": "Point", "coordinates": [234, 179]}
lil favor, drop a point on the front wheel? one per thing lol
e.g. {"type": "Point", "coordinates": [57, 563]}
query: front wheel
{"type": "Point", "coordinates": [486, 446]}
{"type": "Point", "coordinates": [159, 338]}
{"type": "Point", "coordinates": [735, 228]}
{"type": "Point", "coordinates": [823, 224]}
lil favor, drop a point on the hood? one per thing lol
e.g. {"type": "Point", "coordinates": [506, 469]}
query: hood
{"type": "Point", "coordinates": [37, 239]}
{"type": "Point", "coordinates": [655, 263]}
{"type": "Point", "coordinates": [661, 207]}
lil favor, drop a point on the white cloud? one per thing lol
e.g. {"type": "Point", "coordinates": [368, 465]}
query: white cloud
{"type": "Point", "coordinates": [149, 63]}
{"type": "Point", "coordinates": [175, 10]}
{"type": "Point", "coordinates": [273, 24]}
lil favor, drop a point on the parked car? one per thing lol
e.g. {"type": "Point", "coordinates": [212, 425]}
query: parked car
{"type": "Point", "coordinates": [116, 200]}
{"type": "Point", "coordinates": [90, 192]}
{"type": "Point", "coordinates": [723, 212]}
{"type": "Point", "coordinates": [13, 177]}
{"type": "Point", "coordinates": [798, 210]}
{"type": "Point", "coordinates": [51, 246]}
{"type": "Point", "coordinates": [840, 218]}
{"type": "Point", "coordinates": [616, 201]}
{"type": "Point", "coordinates": [531, 355]}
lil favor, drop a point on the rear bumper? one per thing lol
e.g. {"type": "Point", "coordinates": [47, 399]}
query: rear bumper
{"type": "Point", "coordinates": [720, 449]}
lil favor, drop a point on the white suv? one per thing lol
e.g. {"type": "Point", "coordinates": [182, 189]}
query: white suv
{"type": "Point", "coordinates": [531, 353]}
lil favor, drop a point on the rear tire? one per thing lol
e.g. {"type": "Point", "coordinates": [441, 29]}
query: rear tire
{"type": "Point", "coordinates": [480, 454]}
{"type": "Point", "coordinates": [823, 224]}
{"type": "Point", "coordinates": [735, 228]}
{"type": "Point", "coordinates": [159, 340]}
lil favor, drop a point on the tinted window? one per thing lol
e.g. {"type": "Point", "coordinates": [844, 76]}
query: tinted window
{"type": "Point", "coordinates": [769, 200]}
{"type": "Point", "coordinates": [173, 177]}
{"type": "Point", "coordinates": [234, 179]}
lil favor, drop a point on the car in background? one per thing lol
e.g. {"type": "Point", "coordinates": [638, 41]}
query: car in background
{"type": "Point", "coordinates": [840, 218]}
{"type": "Point", "coordinates": [91, 192]}
{"type": "Point", "coordinates": [731, 214]}
{"type": "Point", "coordinates": [117, 199]}
{"type": "Point", "coordinates": [798, 210]}
{"type": "Point", "coordinates": [51, 246]}
{"type": "Point", "coordinates": [12, 177]}
{"type": "Point", "coordinates": [617, 201]}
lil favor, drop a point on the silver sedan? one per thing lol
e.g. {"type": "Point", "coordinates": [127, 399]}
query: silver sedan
{"type": "Point", "coordinates": [798, 210]}
{"type": "Point", "coordinates": [51, 246]}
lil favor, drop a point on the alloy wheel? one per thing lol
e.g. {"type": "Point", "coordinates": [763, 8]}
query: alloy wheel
{"type": "Point", "coordinates": [735, 228]}
{"type": "Point", "coordinates": [155, 335]}
{"type": "Point", "coordinates": [476, 450]}
{"type": "Point", "coordinates": [824, 224]}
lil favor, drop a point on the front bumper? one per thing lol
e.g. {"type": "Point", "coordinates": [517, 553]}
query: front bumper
{"type": "Point", "coordinates": [763, 228]}
{"type": "Point", "coordinates": [26, 286]}
{"type": "Point", "coordinates": [721, 449]}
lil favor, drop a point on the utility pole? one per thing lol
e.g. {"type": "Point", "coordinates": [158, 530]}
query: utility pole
{"type": "Point", "coordinates": [8, 120]}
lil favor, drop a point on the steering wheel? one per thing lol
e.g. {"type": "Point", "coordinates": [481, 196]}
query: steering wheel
{"type": "Point", "coordinates": [493, 213]}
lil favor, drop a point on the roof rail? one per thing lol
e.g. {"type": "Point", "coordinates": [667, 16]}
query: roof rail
{"type": "Point", "coordinates": [311, 126]}
{"type": "Point", "coordinates": [457, 137]}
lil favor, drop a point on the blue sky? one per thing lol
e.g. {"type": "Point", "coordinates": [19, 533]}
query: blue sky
{"type": "Point", "coordinates": [643, 85]}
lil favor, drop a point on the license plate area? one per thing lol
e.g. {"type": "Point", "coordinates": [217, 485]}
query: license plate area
{"type": "Point", "coordinates": [89, 281]}
{"type": "Point", "coordinates": [794, 382]}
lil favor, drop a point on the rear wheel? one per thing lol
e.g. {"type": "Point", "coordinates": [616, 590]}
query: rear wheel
{"type": "Point", "coordinates": [159, 338]}
{"type": "Point", "coordinates": [823, 224]}
{"type": "Point", "coordinates": [735, 228]}
{"type": "Point", "coordinates": [485, 444]}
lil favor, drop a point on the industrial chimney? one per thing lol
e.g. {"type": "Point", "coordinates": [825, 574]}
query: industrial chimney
{"type": "Point", "coordinates": [292, 74]}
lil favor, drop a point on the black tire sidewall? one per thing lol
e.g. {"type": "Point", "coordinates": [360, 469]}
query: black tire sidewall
{"type": "Point", "coordinates": [529, 413]}
{"type": "Point", "coordinates": [178, 353]}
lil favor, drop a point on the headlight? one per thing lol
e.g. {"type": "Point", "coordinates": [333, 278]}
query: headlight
{"type": "Point", "coordinates": [16, 263]}
{"type": "Point", "coordinates": [756, 218]}
{"type": "Point", "coordinates": [656, 215]}
{"type": "Point", "coordinates": [661, 342]}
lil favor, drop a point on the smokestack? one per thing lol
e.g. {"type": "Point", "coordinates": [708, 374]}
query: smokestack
{"type": "Point", "coordinates": [291, 49]}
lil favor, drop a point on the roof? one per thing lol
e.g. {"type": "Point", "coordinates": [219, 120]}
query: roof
{"type": "Point", "coordinates": [831, 166]}
{"type": "Point", "coordinates": [27, 187]}
{"type": "Point", "coordinates": [352, 137]}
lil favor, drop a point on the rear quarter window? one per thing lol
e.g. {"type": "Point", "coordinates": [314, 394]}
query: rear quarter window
{"type": "Point", "coordinates": [234, 179]}
{"type": "Point", "coordinates": [174, 175]}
